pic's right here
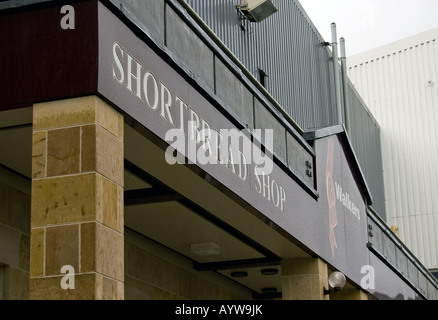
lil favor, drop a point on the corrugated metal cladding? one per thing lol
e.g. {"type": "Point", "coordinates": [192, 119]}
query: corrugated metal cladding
{"type": "Point", "coordinates": [399, 83]}
{"type": "Point", "coordinates": [365, 138]}
{"type": "Point", "coordinates": [288, 48]}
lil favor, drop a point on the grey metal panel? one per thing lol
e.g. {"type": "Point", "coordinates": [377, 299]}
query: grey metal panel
{"type": "Point", "coordinates": [377, 236]}
{"type": "Point", "coordinates": [389, 250]}
{"type": "Point", "coordinates": [422, 283]}
{"type": "Point", "coordinates": [149, 13]}
{"type": "Point", "coordinates": [402, 261]}
{"type": "Point", "coordinates": [265, 120]}
{"type": "Point", "coordinates": [189, 48]}
{"type": "Point", "coordinates": [413, 273]}
{"type": "Point", "coordinates": [365, 136]}
{"type": "Point", "coordinates": [232, 92]}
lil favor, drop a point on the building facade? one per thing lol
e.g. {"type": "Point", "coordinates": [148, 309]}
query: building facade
{"type": "Point", "coordinates": [142, 158]}
{"type": "Point", "coordinates": [398, 83]}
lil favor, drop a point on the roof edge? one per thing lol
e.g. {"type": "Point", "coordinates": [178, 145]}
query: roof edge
{"type": "Point", "coordinates": [340, 130]}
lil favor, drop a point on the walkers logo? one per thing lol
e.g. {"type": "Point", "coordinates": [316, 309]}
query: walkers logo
{"type": "Point", "coordinates": [339, 199]}
{"type": "Point", "coordinates": [331, 196]}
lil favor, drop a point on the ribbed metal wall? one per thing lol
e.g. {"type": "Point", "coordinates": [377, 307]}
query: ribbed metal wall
{"type": "Point", "coordinates": [399, 84]}
{"type": "Point", "coordinates": [365, 138]}
{"type": "Point", "coordinates": [288, 47]}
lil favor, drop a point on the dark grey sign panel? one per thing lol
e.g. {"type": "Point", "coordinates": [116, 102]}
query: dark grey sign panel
{"type": "Point", "coordinates": [342, 206]}
{"type": "Point", "coordinates": [137, 80]}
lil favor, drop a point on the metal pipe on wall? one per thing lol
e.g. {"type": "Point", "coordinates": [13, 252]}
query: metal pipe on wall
{"type": "Point", "coordinates": [336, 70]}
{"type": "Point", "coordinates": [345, 84]}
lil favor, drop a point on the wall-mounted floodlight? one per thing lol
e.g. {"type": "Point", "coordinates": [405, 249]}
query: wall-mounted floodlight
{"type": "Point", "coordinates": [257, 10]}
{"type": "Point", "coordinates": [337, 281]}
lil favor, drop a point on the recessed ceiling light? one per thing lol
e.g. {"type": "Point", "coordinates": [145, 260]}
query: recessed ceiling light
{"type": "Point", "coordinates": [269, 272]}
{"type": "Point", "coordinates": [239, 274]}
{"type": "Point", "coordinates": [205, 249]}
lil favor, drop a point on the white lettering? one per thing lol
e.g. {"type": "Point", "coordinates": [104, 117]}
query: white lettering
{"type": "Point", "coordinates": [149, 76]}
{"type": "Point", "coordinates": [182, 110]}
{"type": "Point", "coordinates": [282, 198]}
{"type": "Point", "coordinates": [193, 131]}
{"type": "Point", "coordinates": [118, 61]}
{"type": "Point", "coordinates": [274, 186]}
{"type": "Point", "coordinates": [243, 166]}
{"type": "Point", "coordinates": [344, 198]}
{"type": "Point", "coordinates": [270, 188]}
{"type": "Point", "coordinates": [206, 151]}
{"type": "Point", "coordinates": [194, 124]}
{"type": "Point", "coordinates": [205, 136]}
{"type": "Point", "coordinates": [221, 151]}
{"type": "Point", "coordinates": [231, 159]}
{"type": "Point", "coordinates": [248, 310]}
{"type": "Point", "coordinates": [136, 76]}
{"type": "Point", "coordinates": [223, 310]}
{"type": "Point", "coordinates": [266, 186]}
{"type": "Point", "coordinates": [166, 102]}
{"type": "Point", "coordinates": [186, 310]}
{"type": "Point", "coordinates": [257, 174]}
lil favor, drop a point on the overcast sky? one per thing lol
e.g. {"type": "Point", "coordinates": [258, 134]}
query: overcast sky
{"type": "Point", "coordinates": [368, 24]}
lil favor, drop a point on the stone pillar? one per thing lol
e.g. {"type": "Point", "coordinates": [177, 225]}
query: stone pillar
{"type": "Point", "coordinates": [77, 201]}
{"type": "Point", "coordinates": [304, 279]}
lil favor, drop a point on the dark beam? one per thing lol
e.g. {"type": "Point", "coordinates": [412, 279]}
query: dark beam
{"type": "Point", "coordinates": [143, 175]}
{"type": "Point", "coordinates": [18, 126]}
{"type": "Point", "coordinates": [149, 196]}
{"type": "Point", "coordinates": [237, 264]}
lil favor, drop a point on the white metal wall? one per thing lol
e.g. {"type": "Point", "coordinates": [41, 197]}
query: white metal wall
{"type": "Point", "coordinates": [399, 84]}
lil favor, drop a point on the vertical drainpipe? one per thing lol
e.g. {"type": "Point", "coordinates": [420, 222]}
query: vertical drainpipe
{"type": "Point", "coordinates": [345, 84]}
{"type": "Point", "coordinates": [337, 74]}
